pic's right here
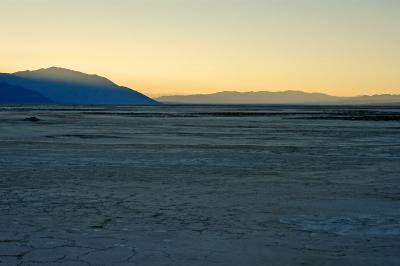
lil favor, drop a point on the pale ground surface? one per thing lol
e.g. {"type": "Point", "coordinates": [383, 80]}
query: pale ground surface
{"type": "Point", "coordinates": [167, 186]}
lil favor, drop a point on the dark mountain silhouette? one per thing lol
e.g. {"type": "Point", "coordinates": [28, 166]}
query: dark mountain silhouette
{"type": "Point", "coordinates": [283, 97]}
{"type": "Point", "coordinates": [64, 86]}
{"type": "Point", "coordinates": [11, 94]}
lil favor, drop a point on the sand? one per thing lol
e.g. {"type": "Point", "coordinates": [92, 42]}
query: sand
{"type": "Point", "coordinates": [200, 185]}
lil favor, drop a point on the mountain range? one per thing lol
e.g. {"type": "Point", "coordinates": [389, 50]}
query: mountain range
{"type": "Point", "coordinates": [56, 85]}
{"type": "Point", "coordinates": [282, 97]}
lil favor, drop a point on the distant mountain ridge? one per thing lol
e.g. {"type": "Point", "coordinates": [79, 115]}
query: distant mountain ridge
{"type": "Point", "coordinates": [282, 97]}
{"type": "Point", "coordinates": [58, 74]}
{"type": "Point", "coordinates": [65, 86]}
{"type": "Point", "coordinates": [57, 85]}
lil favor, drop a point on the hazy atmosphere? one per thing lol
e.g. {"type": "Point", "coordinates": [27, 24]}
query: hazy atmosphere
{"type": "Point", "coordinates": [169, 47]}
{"type": "Point", "coordinates": [199, 133]}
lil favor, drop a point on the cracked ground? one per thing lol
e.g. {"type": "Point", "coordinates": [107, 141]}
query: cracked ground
{"type": "Point", "coordinates": [198, 186]}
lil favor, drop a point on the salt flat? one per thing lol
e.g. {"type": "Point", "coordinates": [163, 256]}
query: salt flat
{"type": "Point", "coordinates": [200, 185]}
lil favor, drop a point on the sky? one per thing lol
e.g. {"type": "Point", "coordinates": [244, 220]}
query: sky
{"type": "Point", "coordinates": [168, 47]}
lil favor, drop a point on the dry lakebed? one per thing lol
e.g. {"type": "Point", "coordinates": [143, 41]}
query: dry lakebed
{"type": "Point", "coordinates": [200, 185]}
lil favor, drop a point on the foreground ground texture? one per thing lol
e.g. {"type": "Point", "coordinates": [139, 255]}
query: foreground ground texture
{"type": "Point", "coordinates": [200, 185]}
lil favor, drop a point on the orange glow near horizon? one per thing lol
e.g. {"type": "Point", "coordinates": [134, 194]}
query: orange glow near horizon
{"type": "Point", "coordinates": [161, 47]}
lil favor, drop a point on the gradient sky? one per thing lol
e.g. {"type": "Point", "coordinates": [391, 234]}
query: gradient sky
{"type": "Point", "coordinates": [165, 47]}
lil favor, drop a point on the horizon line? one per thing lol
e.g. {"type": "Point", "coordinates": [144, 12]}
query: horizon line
{"type": "Point", "coordinates": [157, 95]}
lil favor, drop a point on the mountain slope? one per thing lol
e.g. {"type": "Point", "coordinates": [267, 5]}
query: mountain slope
{"type": "Point", "coordinates": [283, 97]}
{"type": "Point", "coordinates": [66, 86]}
{"type": "Point", "coordinates": [57, 74]}
{"type": "Point", "coordinates": [11, 94]}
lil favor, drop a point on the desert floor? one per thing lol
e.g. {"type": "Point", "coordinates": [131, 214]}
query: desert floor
{"type": "Point", "coordinates": [200, 185]}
